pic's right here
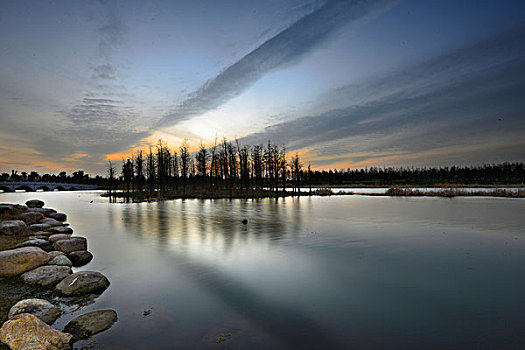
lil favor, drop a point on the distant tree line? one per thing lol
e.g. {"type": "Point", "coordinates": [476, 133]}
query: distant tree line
{"type": "Point", "coordinates": [486, 174]}
{"type": "Point", "coordinates": [231, 169]}
{"type": "Point", "coordinates": [77, 177]}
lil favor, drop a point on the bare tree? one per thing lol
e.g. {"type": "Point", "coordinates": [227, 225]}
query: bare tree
{"type": "Point", "coordinates": [184, 163]}
{"type": "Point", "coordinates": [111, 176]}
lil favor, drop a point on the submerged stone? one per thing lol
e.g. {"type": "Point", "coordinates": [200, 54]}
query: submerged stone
{"type": "Point", "coordinates": [89, 324]}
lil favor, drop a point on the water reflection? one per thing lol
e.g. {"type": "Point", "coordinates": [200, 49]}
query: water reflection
{"type": "Point", "coordinates": [339, 272]}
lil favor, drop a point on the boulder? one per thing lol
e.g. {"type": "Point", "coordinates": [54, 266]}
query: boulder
{"type": "Point", "coordinates": [31, 217]}
{"type": "Point", "coordinates": [83, 282]}
{"type": "Point", "coordinates": [17, 261]}
{"type": "Point", "coordinates": [62, 229]}
{"type": "Point", "coordinates": [55, 253]}
{"type": "Point", "coordinates": [26, 331]}
{"type": "Point", "coordinates": [89, 324]}
{"type": "Point", "coordinates": [58, 237]}
{"type": "Point", "coordinates": [58, 216]}
{"type": "Point", "coordinates": [51, 222]}
{"type": "Point", "coordinates": [6, 209]}
{"type": "Point", "coordinates": [61, 260]}
{"type": "Point", "coordinates": [45, 211]}
{"type": "Point", "coordinates": [20, 208]}
{"type": "Point", "coordinates": [43, 233]}
{"type": "Point", "coordinates": [35, 242]}
{"type": "Point", "coordinates": [12, 210]}
{"type": "Point", "coordinates": [35, 203]}
{"type": "Point", "coordinates": [80, 258]}
{"type": "Point", "coordinates": [12, 227]}
{"type": "Point", "coordinates": [72, 244]}
{"type": "Point", "coordinates": [39, 227]}
{"type": "Point", "coordinates": [39, 236]}
{"type": "Point", "coordinates": [42, 309]}
{"type": "Point", "coordinates": [46, 276]}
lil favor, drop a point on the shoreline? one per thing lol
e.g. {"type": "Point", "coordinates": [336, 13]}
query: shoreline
{"type": "Point", "coordinates": [389, 192]}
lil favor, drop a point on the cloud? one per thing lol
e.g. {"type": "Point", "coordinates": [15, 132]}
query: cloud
{"type": "Point", "coordinates": [470, 96]}
{"type": "Point", "coordinates": [111, 35]}
{"type": "Point", "coordinates": [285, 48]}
{"type": "Point", "coordinates": [104, 72]}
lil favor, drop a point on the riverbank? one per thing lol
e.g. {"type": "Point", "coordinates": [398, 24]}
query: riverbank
{"type": "Point", "coordinates": [508, 192]}
{"type": "Point", "coordinates": [37, 283]}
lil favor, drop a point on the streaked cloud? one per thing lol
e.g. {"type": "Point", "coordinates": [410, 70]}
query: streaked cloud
{"type": "Point", "coordinates": [285, 48]}
{"type": "Point", "coordinates": [470, 96]}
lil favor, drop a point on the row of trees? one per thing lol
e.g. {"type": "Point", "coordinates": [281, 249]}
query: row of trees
{"type": "Point", "coordinates": [486, 174]}
{"type": "Point", "coordinates": [76, 177]}
{"type": "Point", "coordinates": [226, 167]}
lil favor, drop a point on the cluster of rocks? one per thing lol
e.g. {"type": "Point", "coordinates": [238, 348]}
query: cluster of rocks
{"type": "Point", "coordinates": [44, 258]}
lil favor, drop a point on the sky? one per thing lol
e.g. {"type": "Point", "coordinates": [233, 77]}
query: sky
{"type": "Point", "coordinates": [345, 84]}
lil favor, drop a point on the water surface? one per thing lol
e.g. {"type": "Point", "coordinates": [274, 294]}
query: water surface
{"type": "Point", "coordinates": [314, 273]}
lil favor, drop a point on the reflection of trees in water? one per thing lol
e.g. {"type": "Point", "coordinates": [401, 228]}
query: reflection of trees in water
{"type": "Point", "coordinates": [211, 224]}
{"type": "Point", "coordinates": [163, 224]}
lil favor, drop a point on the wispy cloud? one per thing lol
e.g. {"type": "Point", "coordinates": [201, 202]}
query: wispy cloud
{"type": "Point", "coordinates": [111, 35]}
{"type": "Point", "coordinates": [104, 72]}
{"type": "Point", "coordinates": [285, 48]}
{"type": "Point", "coordinates": [470, 96]}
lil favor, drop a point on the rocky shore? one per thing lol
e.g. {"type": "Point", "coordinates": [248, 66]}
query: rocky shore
{"type": "Point", "coordinates": [38, 252]}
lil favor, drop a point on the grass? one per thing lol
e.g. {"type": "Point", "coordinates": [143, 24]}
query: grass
{"type": "Point", "coordinates": [453, 192]}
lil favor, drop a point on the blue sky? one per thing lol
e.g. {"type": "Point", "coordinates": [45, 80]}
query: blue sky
{"type": "Point", "coordinates": [344, 83]}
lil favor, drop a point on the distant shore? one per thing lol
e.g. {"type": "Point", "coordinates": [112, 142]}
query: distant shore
{"type": "Point", "coordinates": [397, 191]}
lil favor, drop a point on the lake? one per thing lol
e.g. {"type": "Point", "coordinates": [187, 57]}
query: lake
{"type": "Point", "coordinates": [338, 272]}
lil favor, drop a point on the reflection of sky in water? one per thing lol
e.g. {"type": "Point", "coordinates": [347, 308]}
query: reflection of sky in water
{"type": "Point", "coordinates": [338, 272]}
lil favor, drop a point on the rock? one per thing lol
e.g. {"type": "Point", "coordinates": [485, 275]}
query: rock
{"type": "Point", "coordinates": [6, 209]}
{"type": "Point", "coordinates": [13, 210]}
{"type": "Point", "coordinates": [20, 208]}
{"type": "Point", "coordinates": [31, 217]}
{"type": "Point", "coordinates": [89, 324]}
{"type": "Point", "coordinates": [51, 222]}
{"type": "Point", "coordinates": [61, 260]}
{"type": "Point", "coordinates": [38, 227]}
{"type": "Point", "coordinates": [58, 216]}
{"type": "Point", "coordinates": [42, 309]}
{"type": "Point", "coordinates": [35, 242]}
{"type": "Point", "coordinates": [72, 244]}
{"type": "Point", "coordinates": [28, 332]}
{"type": "Point", "coordinates": [12, 227]}
{"type": "Point", "coordinates": [62, 229]}
{"type": "Point", "coordinates": [80, 258]}
{"type": "Point", "coordinates": [43, 233]}
{"type": "Point", "coordinates": [45, 211]}
{"type": "Point", "coordinates": [35, 203]}
{"type": "Point", "coordinates": [46, 276]}
{"type": "Point", "coordinates": [55, 253]}
{"type": "Point", "coordinates": [83, 282]}
{"type": "Point", "coordinates": [39, 236]}
{"type": "Point", "coordinates": [58, 237]}
{"type": "Point", "coordinates": [17, 261]}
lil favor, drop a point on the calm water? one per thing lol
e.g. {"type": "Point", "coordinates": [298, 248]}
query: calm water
{"type": "Point", "coordinates": [310, 273]}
